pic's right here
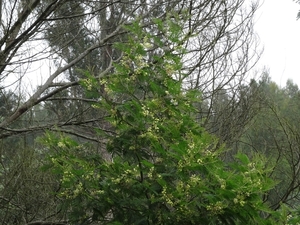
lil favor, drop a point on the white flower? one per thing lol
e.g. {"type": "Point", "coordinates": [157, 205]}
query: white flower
{"type": "Point", "coordinates": [147, 45]}
{"type": "Point", "coordinates": [174, 102]}
{"type": "Point", "coordinates": [61, 145]}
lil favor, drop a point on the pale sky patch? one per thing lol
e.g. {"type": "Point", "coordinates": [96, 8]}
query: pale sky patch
{"type": "Point", "coordinates": [279, 33]}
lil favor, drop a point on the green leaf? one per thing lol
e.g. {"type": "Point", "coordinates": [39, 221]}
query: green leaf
{"type": "Point", "coordinates": [147, 163]}
{"type": "Point", "coordinates": [243, 158]}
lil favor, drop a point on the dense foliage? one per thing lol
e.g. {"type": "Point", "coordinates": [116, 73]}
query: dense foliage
{"type": "Point", "coordinates": [164, 167]}
{"type": "Point", "coordinates": [143, 114]}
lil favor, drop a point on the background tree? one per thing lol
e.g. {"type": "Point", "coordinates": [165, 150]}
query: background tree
{"type": "Point", "coordinates": [274, 133]}
{"type": "Point", "coordinates": [26, 191]}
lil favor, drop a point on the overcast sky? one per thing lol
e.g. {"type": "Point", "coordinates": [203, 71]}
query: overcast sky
{"type": "Point", "coordinates": [279, 33]}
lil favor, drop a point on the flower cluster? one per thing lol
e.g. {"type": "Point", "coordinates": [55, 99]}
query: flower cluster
{"type": "Point", "coordinates": [239, 199]}
{"type": "Point", "coordinates": [217, 208]}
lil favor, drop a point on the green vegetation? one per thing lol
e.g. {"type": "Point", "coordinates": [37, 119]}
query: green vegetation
{"type": "Point", "coordinates": [165, 168]}
{"type": "Point", "coordinates": [148, 117]}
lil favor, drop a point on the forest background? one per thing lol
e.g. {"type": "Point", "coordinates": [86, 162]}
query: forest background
{"type": "Point", "coordinates": [145, 115]}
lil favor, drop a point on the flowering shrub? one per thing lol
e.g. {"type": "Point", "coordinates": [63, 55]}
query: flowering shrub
{"type": "Point", "coordinates": [166, 169]}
